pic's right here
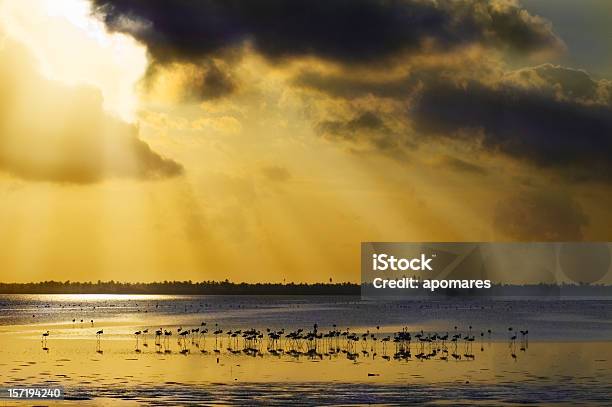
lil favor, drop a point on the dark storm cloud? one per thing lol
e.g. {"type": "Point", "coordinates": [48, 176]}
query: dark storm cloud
{"type": "Point", "coordinates": [365, 128]}
{"type": "Point", "coordinates": [457, 164]}
{"type": "Point", "coordinates": [349, 88]}
{"type": "Point", "coordinates": [208, 82]}
{"type": "Point", "coordinates": [539, 215]}
{"type": "Point", "coordinates": [550, 116]}
{"type": "Point", "coordinates": [567, 82]}
{"type": "Point", "coordinates": [348, 31]}
{"type": "Point", "coordinates": [525, 123]}
{"type": "Point", "coordinates": [554, 80]}
{"type": "Point", "coordinates": [368, 121]}
{"type": "Point", "coordinates": [216, 83]}
{"type": "Point", "coordinates": [344, 86]}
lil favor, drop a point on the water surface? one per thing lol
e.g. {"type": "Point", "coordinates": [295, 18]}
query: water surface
{"type": "Point", "coordinates": [566, 357]}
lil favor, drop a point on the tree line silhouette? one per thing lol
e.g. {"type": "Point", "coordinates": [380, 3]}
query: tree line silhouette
{"type": "Point", "coordinates": [179, 287]}
{"type": "Point", "coordinates": [227, 287]}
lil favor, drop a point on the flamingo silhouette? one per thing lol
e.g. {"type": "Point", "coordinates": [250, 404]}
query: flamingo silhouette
{"type": "Point", "coordinates": [182, 342]}
{"type": "Point", "coordinates": [137, 334]}
{"type": "Point", "coordinates": [317, 343]}
{"type": "Point", "coordinates": [512, 336]}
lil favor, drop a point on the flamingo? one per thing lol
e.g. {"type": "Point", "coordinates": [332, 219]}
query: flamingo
{"type": "Point", "coordinates": [512, 337]}
{"type": "Point", "coordinates": [524, 339]}
{"type": "Point", "coordinates": [167, 335]}
{"type": "Point", "coordinates": [137, 334]}
{"type": "Point", "coordinates": [182, 341]}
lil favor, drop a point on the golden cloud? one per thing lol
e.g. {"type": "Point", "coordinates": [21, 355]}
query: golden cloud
{"type": "Point", "coordinates": [53, 132]}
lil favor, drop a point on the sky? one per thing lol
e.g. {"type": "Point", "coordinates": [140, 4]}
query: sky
{"type": "Point", "coordinates": [264, 141]}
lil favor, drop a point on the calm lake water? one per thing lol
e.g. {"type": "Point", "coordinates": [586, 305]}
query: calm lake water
{"type": "Point", "coordinates": [548, 319]}
{"type": "Point", "coordinates": [566, 358]}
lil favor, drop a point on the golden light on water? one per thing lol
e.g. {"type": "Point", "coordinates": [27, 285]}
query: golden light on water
{"type": "Point", "coordinates": [78, 298]}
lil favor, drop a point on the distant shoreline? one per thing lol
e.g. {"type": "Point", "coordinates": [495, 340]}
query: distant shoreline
{"type": "Point", "coordinates": [181, 287]}
{"type": "Point", "coordinates": [231, 288]}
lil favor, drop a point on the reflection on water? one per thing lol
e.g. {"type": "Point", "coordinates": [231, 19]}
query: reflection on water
{"type": "Point", "coordinates": [556, 319]}
{"type": "Point", "coordinates": [309, 350]}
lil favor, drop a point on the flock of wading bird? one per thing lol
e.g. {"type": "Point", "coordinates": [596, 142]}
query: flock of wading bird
{"type": "Point", "coordinates": [316, 344]}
